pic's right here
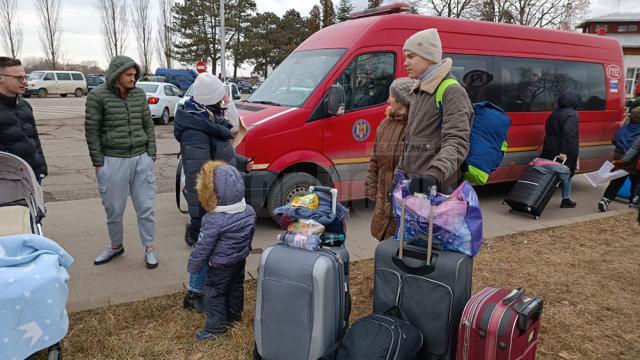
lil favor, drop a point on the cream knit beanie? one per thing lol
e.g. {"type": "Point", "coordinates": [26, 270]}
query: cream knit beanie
{"type": "Point", "coordinates": [208, 89]}
{"type": "Point", "coordinates": [426, 44]}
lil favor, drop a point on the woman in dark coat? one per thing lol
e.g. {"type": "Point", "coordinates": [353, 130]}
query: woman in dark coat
{"type": "Point", "coordinates": [204, 133]}
{"type": "Point", "coordinates": [562, 139]}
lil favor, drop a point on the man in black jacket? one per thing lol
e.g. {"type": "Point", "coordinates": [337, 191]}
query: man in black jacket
{"type": "Point", "coordinates": [18, 133]}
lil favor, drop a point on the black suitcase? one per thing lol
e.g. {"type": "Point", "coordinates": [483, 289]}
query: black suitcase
{"type": "Point", "coordinates": [531, 194]}
{"type": "Point", "coordinates": [431, 288]}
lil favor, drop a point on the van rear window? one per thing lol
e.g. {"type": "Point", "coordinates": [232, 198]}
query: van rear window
{"type": "Point", "coordinates": [526, 85]}
{"type": "Point", "coordinates": [76, 76]}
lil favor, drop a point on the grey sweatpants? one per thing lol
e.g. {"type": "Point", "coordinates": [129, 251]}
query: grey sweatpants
{"type": "Point", "coordinates": [120, 177]}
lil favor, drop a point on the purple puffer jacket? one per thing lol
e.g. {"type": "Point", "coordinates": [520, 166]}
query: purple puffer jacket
{"type": "Point", "coordinates": [225, 238]}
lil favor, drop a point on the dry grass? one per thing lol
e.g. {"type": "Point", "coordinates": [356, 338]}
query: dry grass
{"type": "Point", "coordinates": [587, 273]}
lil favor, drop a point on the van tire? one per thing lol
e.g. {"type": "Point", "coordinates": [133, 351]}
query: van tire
{"type": "Point", "coordinates": [285, 188]}
{"type": "Point", "coordinates": [78, 92]}
{"type": "Point", "coordinates": [63, 95]}
{"type": "Point", "coordinates": [42, 93]}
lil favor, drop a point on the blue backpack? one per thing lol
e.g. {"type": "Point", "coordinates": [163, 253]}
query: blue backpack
{"type": "Point", "coordinates": [488, 138]}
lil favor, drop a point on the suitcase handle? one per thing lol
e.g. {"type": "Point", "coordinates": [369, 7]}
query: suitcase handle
{"type": "Point", "coordinates": [330, 190]}
{"type": "Point", "coordinates": [512, 296]}
{"type": "Point", "coordinates": [530, 314]}
{"type": "Point", "coordinates": [424, 269]}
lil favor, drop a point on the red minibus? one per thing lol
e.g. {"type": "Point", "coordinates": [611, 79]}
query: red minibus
{"type": "Point", "coordinates": [313, 120]}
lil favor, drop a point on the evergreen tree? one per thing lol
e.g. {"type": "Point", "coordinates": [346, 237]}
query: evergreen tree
{"type": "Point", "coordinates": [328, 14]}
{"type": "Point", "coordinates": [374, 3]}
{"type": "Point", "coordinates": [195, 23]}
{"type": "Point", "coordinates": [345, 7]}
{"type": "Point", "coordinates": [314, 22]}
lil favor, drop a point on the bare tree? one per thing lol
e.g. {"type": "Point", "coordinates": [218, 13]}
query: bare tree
{"type": "Point", "coordinates": [574, 11]}
{"type": "Point", "coordinates": [452, 8]}
{"type": "Point", "coordinates": [113, 14]}
{"type": "Point", "coordinates": [10, 29]}
{"type": "Point", "coordinates": [165, 34]}
{"type": "Point", "coordinates": [142, 24]}
{"type": "Point", "coordinates": [49, 13]}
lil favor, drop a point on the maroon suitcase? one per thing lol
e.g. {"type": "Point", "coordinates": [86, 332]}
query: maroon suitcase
{"type": "Point", "coordinates": [500, 324]}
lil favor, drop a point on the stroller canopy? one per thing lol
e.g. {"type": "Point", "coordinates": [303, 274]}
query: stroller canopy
{"type": "Point", "coordinates": [18, 182]}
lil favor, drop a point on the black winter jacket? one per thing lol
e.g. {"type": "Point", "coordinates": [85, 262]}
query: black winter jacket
{"type": "Point", "coordinates": [18, 133]}
{"type": "Point", "coordinates": [202, 139]}
{"type": "Point", "coordinates": [561, 130]}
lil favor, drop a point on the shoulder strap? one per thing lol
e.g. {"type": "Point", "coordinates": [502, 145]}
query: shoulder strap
{"type": "Point", "coordinates": [441, 88]}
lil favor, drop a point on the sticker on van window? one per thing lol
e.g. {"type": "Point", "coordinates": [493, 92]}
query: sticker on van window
{"type": "Point", "coordinates": [613, 86]}
{"type": "Point", "coordinates": [361, 130]}
{"type": "Point", "coordinates": [614, 71]}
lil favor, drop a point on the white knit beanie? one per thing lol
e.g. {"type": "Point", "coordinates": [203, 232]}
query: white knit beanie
{"type": "Point", "coordinates": [425, 43]}
{"type": "Point", "coordinates": [208, 89]}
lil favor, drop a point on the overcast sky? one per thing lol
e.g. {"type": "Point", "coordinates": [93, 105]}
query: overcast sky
{"type": "Point", "coordinates": [80, 22]}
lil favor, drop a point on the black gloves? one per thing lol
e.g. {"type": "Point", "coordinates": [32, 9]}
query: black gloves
{"type": "Point", "coordinates": [422, 184]}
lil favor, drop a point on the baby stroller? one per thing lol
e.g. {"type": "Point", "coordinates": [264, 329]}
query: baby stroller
{"type": "Point", "coordinates": [33, 272]}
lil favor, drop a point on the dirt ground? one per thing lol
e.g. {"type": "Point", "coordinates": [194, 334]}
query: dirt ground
{"type": "Point", "coordinates": [587, 274]}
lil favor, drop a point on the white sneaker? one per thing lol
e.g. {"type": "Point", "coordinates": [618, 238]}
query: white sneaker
{"type": "Point", "coordinates": [108, 254]}
{"type": "Point", "coordinates": [151, 259]}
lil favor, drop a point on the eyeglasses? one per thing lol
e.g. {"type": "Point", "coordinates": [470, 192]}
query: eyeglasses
{"type": "Point", "coordinates": [17, 77]}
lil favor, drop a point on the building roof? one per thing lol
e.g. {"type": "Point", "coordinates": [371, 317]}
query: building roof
{"type": "Point", "coordinates": [614, 17]}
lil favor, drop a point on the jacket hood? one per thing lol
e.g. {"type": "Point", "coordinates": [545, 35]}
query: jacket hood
{"type": "Point", "coordinates": [229, 185]}
{"type": "Point", "coordinates": [117, 66]}
{"type": "Point", "coordinates": [569, 99]}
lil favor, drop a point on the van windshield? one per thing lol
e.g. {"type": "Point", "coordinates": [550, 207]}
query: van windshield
{"type": "Point", "coordinates": [36, 75]}
{"type": "Point", "coordinates": [297, 77]}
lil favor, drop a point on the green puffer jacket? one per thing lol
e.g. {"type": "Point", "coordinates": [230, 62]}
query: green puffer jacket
{"type": "Point", "coordinates": [116, 126]}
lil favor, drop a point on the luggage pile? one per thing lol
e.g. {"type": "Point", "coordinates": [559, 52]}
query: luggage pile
{"type": "Point", "coordinates": [422, 302]}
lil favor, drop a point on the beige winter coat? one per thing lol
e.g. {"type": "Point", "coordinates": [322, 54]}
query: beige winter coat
{"type": "Point", "coordinates": [435, 146]}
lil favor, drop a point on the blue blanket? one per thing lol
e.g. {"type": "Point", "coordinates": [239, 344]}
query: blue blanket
{"type": "Point", "coordinates": [33, 279]}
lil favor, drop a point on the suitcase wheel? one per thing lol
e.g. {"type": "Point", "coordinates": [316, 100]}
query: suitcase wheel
{"type": "Point", "coordinates": [537, 217]}
{"type": "Point", "coordinates": [510, 211]}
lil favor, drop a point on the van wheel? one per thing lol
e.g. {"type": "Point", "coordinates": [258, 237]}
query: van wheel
{"type": "Point", "coordinates": [42, 93]}
{"type": "Point", "coordinates": [78, 92]}
{"type": "Point", "coordinates": [164, 119]}
{"type": "Point", "coordinates": [287, 187]}
{"type": "Point", "coordinates": [63, 95]}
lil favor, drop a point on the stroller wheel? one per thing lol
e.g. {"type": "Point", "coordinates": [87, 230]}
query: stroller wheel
{"type": "Point", "coordinates": [55, 352]}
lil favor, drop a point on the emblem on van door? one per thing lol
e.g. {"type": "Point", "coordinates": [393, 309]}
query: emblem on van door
{"type": "Point", "coordinates": [614, 71]}
{"type": "Point", "coordinates": [361, 130]}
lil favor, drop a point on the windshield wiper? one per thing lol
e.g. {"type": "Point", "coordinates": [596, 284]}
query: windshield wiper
{"type": "Point", "coordinates": [266, 102]}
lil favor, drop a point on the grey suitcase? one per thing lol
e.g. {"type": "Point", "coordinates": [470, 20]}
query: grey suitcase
{"type": "Point", "coordinates": [302, 301]}
{"type": "Point", "coordinates": [431, 288]}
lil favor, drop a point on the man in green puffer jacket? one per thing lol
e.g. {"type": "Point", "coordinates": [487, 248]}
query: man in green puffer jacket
{"type": "Point", "coordinates": [122, 145]}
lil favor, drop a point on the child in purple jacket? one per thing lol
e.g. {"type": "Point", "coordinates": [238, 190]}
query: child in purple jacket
{"type": "Point", "coordinates": [223, 245]}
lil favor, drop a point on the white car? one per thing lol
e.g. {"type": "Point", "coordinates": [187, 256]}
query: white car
{"type": "Point", "coordinates": [231, 89]}
{"type": "Point", "coordinates": [162, 99]}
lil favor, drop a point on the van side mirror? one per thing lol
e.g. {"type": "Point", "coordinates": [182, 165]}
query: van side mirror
{"type": "Point", "coordinates": [336, 100]}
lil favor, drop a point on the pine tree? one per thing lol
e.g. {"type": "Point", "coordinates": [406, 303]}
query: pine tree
{"type": "Point", "coordinates": [344, 10]}
{"type": "Point", "coordinates": [374, 3]}
{"type": "Point", "coordinates": [328, 14]}
{"type": "Point", "coordinates": [314, 22]}
{"type": "Point", "coordinates": [195, 24]}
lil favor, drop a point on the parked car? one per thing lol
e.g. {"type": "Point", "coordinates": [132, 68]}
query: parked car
{"type": "Point", "coordinates": [232, 88]}
{"type": "Point", "coordinates": [314, 119]}
{"type": "Point", "coordinates": [162, 99]}
{"type": "Point", "coordinates": [43, 83]}
{"type": "Point", "coordinates": [245, 87]}
{"type": "Point", "coordinates": [181, 78]}
{"type": "Point", "coordinates": [94, 81]}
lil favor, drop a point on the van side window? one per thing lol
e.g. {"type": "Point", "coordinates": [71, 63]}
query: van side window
{"type": "Point", "coordinates": [49, 76]}
{"type": "Point", "coordinates": [76, 76]}
{"type": "Point", "coordinates": [534, 84]}
{"type": "Point", "coordinates": [367, 79]}
{"type": "Point", "coordinates": [475, 74]}
{"type": "Point", "coordinates": [63, 76]}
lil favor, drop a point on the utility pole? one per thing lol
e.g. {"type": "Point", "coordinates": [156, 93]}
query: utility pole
{"type": "Point", "coordinates": [223, 70]}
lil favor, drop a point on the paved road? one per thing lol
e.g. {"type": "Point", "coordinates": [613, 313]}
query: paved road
{"type": "Point", "coordinates": [76, 219]}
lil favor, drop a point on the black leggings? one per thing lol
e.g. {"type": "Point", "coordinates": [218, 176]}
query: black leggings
{"type": "Point", "coordinates": [615, 185]}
